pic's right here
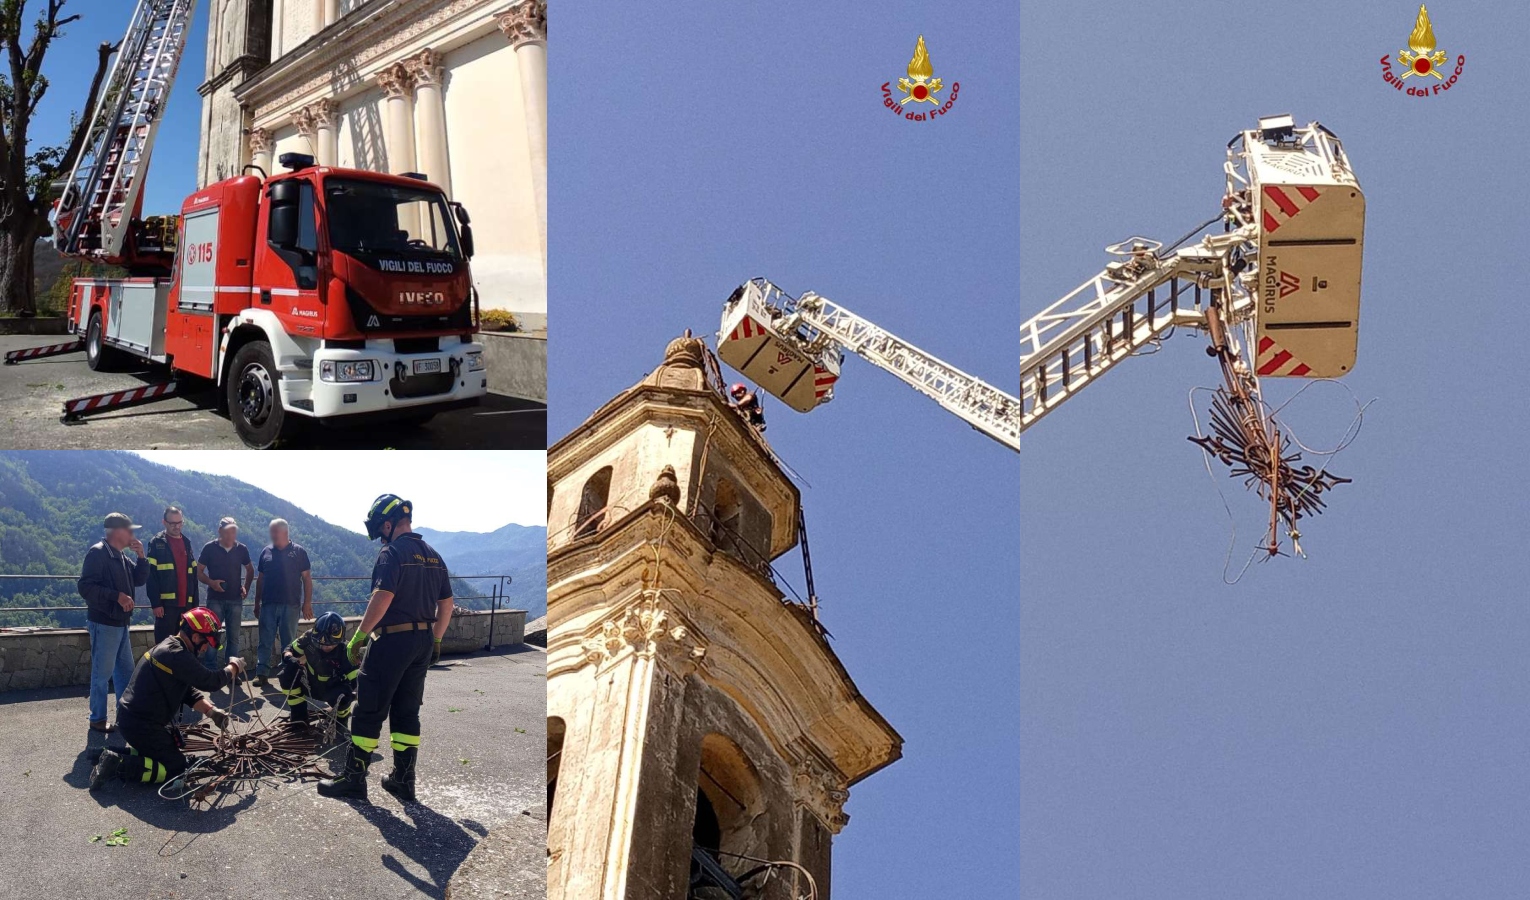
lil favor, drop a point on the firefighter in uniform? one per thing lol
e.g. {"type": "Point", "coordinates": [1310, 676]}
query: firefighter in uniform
{"type": "Point", "coordinates": [406, 617]}
{"type": "Point", "coordinates": [172, 586]}
{"type": "Point", "coordinates": [317, 665]}
{"type": "Point", "coordinates": [168, 677]}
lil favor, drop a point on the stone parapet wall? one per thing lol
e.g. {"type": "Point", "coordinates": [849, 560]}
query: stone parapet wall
{"type": "Point", "coordinates": [59, 657]}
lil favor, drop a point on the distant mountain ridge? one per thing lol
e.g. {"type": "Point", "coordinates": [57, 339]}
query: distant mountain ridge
{"type": "Point", "coordinates": [52, 503]}
{"type": "Point", "coordinates": [517, 550]}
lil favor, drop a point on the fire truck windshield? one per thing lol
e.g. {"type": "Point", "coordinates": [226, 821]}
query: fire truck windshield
{"type": "Point", "coordinates": [368, 218]}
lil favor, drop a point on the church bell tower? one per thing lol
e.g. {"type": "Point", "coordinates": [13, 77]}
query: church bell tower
{"type": "Point", "coordinates": [702, 735]}
{"type": "Point", "coordinates": [238, 46]}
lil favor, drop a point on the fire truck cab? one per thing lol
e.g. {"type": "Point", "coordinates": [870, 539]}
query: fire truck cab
{"type": "Point", "coordinates": [321, 293]}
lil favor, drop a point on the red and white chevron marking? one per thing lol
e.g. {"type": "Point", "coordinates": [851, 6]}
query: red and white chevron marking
{"type": "Point", "coordinates": [1281, 204]}
{"type": "Point", "coordinates": [51, 350]}
{"type": "Point", "coordinates": [822, 381]}
{"type": "Point", "coordinates": [1272, 360]}
{"type": "Point", "coordinates": [98, 402]}
{"type": "Point", "coordinates": [746, 329]}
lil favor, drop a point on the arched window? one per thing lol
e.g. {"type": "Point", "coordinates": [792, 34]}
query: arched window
{"type": "Point", "coordinates": [727, 518]}
{"type": "Point", "coordinates": [556, 729]}
{"type": "Point", "coordinates": [730, 808]}
{"type": "Point", "coordinates": [592, 504]}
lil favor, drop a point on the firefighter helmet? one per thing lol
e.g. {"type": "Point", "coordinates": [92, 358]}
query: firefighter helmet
{"type": "Point", "coordinates": [329, 629]}
{"type": "Point", "coordinates": [387, 508]}
{"type": "Point", "coordinates": [203, 621]}
{"type": "Point", "coordinates": [738, 391]}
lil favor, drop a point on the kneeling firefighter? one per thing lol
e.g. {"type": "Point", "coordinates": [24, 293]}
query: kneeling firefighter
{"type": "Point", "coordinates": [406, 618]}
{"type": "Point", "coordinates": [316, 666]}
{"type": "Point", "coordinates": [168, 677]}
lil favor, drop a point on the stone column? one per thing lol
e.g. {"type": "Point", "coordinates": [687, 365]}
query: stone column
{"type": "Point", "coordinates": [260, 149]}
{"type": "Point", "coordinates": [326, 144]}
{"type": "Point", "coordinates": [278, 12]}
{"type": "Point", "coordinates": [331, 13]}
{"type": "Point", "coordinates": [430, 118]}
{"type": "Point", "coordinates": [398, 129]}
{"type": "Point", "coordinates": [525, 25]}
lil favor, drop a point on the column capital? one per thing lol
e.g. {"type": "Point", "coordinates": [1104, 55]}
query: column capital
{"type": "Point", "coordinates": [425, 68]}
{"type": "Point", "coordinates": [260, 140]}
{"type": "Point", "coordinates": [306, 125]}
{"type": "Point", "coordinates": [395, 81]}
{"type": "Point", "coordinates": [524, 22]}
{"type": "Point", "coordinates": [322, 113]}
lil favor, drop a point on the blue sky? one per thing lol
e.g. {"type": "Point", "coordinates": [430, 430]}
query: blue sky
{"type": "Point", "coordinates": [1352, 725]}
{"type": "Point", "coordinates": [71, 62]}
{"type": "Point", "coordinates": [701, 144]}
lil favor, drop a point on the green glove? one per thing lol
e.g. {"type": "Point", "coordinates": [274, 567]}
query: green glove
{"type": "Point", "coordinates": [435, 653]}
{"type": "Point", "coordinates": [353, 647]}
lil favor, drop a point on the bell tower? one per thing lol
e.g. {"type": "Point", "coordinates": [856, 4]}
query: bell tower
{"type": "Point", "coordinates": [238, 46]}
{"type": "Point", "coordinates": [701, 733]}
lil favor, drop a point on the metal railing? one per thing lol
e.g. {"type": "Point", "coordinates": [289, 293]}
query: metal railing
{"type": "Point", "coordinates": [497, 597]}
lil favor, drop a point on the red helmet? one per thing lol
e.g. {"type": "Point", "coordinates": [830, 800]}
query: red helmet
{"type": "Point", "coordinates": [738, 390]}
{"type": "Point", "coordinates": [203, 621]}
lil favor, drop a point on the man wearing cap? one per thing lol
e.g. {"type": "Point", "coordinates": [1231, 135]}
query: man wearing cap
{"type": "Point", "coordinates": [172, 584]}
{"type": "Point", "coordinates": [224, 566]}
{"type": "Point", "coordinates": [107, 581]}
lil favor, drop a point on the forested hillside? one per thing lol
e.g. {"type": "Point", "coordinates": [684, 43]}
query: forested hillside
{"type": "Point", "coordinates": [52, 503]}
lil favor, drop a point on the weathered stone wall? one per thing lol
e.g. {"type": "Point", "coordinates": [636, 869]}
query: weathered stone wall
{"type": "Point", "coordinates": [61, 656]}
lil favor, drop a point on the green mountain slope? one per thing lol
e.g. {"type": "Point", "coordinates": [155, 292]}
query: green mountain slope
{"type": "Point", "coordinates": [518, 549]}
{"type": "Point", "coordinates": [52, 503]}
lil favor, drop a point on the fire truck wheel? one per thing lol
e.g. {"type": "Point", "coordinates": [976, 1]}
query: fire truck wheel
{"type": "Point", "coordinates": [254, 404]}
{"type": "Point", "coordinates": [98, 356]}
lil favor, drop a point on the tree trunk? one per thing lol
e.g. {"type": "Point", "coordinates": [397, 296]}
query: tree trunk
{"type": "Point", "coordinates": [18, 239]}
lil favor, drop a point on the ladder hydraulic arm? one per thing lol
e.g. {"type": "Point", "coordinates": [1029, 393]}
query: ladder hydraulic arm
{"type": "Point", "coordinates": [97, 214]}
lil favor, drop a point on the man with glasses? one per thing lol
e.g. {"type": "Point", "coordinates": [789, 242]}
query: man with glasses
{"type": "Point", "coordinates": [172, 584]}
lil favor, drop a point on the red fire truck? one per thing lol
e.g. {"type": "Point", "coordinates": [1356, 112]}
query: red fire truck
{"type": "Point", "coordinates": [322, 294]}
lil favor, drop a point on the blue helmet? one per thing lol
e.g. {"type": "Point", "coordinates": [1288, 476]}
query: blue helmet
{"type": "Point", "coordinates": [329, 628]}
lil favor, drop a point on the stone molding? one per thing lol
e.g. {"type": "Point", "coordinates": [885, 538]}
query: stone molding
{"type": "Point", "coordinates": [650, 630]}
{"type": "Point", "coordinates": [260, 140]}
{"type": "Point", "coordinates": [425, 68]}
{"type": "Point", "coordinates": [395, 81]}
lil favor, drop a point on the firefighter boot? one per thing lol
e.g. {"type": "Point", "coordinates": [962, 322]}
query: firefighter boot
{"type": "Point", "coordinates": [400, 782]}
{"type": "Point", "coordinates": [105, 769]}
{"type": "Point", "coordinates": [353, 781]}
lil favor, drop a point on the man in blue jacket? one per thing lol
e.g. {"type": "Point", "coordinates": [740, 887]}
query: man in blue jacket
{"type": "Point", "coordinates": [107, 581]}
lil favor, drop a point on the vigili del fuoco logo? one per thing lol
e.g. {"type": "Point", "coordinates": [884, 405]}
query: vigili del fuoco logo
{"type": "Point", "coordinates": [1422, 60]}
{"type": "Point", "coordinates": [920, 87]}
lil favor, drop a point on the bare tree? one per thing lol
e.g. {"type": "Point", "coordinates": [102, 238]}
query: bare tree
{"type": "Point", "coordinates": [26, 175]}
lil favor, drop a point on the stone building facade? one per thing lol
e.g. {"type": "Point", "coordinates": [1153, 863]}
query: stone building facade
{"type": "Point", "coordinates": [453, 89]}
{"type": "Point", "coordinates": [689, 704]}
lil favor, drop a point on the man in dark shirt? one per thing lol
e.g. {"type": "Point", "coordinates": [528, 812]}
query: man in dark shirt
{"type": "Point", "coordinates": [220, 566]}
{"type": "Point", "coordinates": [167, 678]}
{"type": "Point", "coordinates": [410, 607]}
{"type": "Point", "coordinates": [283, 586]}
{"type": "Point", "coordinates": [172, 585]}
{"type": "Point", "coordinates": [107, 581]}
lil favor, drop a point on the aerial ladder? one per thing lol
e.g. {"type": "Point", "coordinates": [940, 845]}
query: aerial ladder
{"type": "Point", "coordinates": [98, 213]}
{"type": "Point", "coordinates": [1276, 291]}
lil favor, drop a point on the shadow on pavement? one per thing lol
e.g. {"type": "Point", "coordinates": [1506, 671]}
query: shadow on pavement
{"type": "Point", "coordinates": [437, 843]}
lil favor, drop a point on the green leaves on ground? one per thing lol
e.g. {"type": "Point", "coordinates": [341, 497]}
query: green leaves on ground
{"type": "Point", "coordinates": [454, 709]}
{"type": "Point", "coordinates": [118, 838]}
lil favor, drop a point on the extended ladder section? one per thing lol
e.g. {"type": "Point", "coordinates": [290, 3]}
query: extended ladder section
{"type": "Point", "coordinates": [104, 190]}
{"type": "Point", "coordinates": [1118, 313]}
{"type": "Point", "coordinates": [970, 398]}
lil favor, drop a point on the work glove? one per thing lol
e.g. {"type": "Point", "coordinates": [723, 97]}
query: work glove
{"type": "Point", "coordinates": [219, 718]}
{"type": "Point", "coordinates": [435, 652]}
{"type": "Point", "coordinates": [237, 664]}
{"type": "Point", "coordinates": [353, 647]}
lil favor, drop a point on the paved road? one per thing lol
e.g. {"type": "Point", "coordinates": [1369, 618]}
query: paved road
{"type": "Point", "coordinates": [32, 394]}
{"type": "Point", "coordinates": [284, 840]}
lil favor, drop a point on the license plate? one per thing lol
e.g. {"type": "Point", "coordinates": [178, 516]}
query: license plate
{"type": "Point", "coordinates": [426, 366]}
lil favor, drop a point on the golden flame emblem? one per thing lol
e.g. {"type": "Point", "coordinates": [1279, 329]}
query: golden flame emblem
{"type": "Point", "coordinates": [1424, 60]}
{"type": "Point", "coordinates": [919, 86]}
